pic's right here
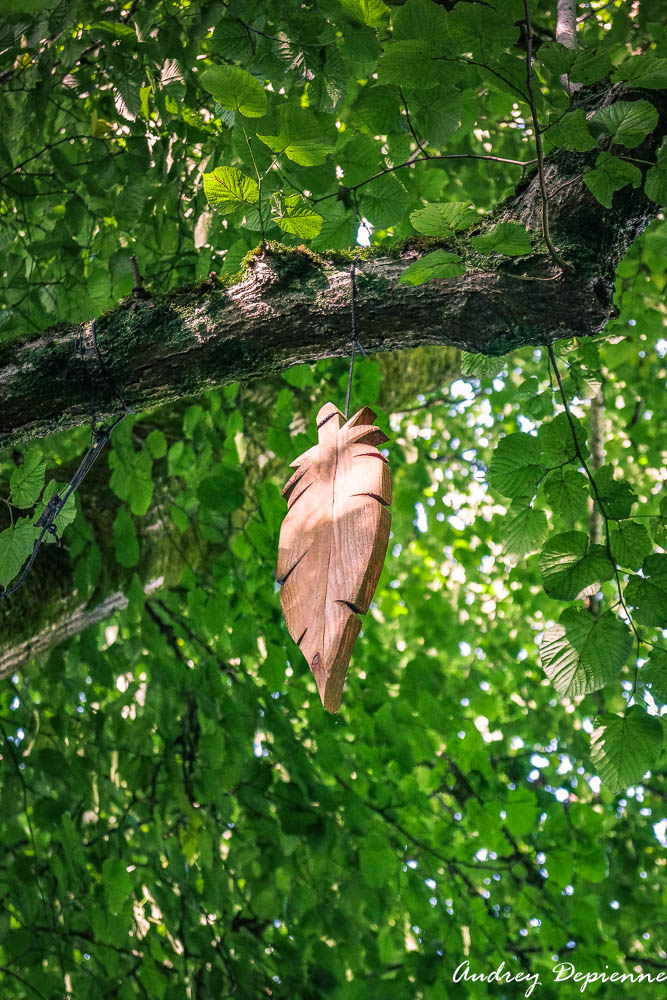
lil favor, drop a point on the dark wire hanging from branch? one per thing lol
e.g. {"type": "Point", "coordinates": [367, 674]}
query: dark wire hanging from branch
{"type": "Point", "coordinates": [101, 437]}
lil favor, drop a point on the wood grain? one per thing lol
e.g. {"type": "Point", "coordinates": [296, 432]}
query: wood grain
{"type": "Point", "coordinates": [333, 542]}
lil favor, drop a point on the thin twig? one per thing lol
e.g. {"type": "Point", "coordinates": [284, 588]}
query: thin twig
{"type": "Point", "coordinates": [596, 10]}
{"type": "Point", "coordinates": [137, 280]}
{"type": "Point", "coordinates": [566, 34]}
{"type": "Point", "coordinates": [414, 135]}
{"type": "Point", "coordinates": [425, 159]}
{"type": "Point", "coordinates": [260, 178]}
{"type": "Point", "coordinates": [594, 487]}
{"type": "Point", "coordinates": [563, 264]}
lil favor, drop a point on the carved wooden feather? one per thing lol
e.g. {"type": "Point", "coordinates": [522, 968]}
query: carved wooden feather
{"type": "Point", "coordinates": [333, 542]}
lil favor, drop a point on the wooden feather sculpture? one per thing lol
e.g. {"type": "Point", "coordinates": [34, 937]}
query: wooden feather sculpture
{"type": "Point", "coordinates": [333, 543]}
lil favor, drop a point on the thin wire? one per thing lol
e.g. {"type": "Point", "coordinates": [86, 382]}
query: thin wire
{"type": "Point", "coordinates": [353, 331]}
{"type": "Point", "coordinates": [101, 437]}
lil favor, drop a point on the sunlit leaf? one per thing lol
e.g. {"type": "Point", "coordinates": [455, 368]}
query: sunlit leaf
{"type": "Point", "coordinates": [625, 747]}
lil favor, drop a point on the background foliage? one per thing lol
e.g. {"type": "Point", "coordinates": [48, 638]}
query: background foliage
{"type": "Point", "coordinates": [179, 816]}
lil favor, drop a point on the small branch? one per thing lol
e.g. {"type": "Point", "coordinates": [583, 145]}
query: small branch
{"type": "Point", "coordinates": [597, 458]}
{"type": "Point", "coordinates": [566, 24]}
{"type": "Point", "coordinates": [427, 158]}
{"type": "Point", "coordinates": [137, 280]}
{"type": "Point", "coordinates": [596, 492]}
{"type": "Point", "coordinates": [566, 34]}
{"type": "Point", "coordinates": [414, 135]}
{"type": "Point", "coordinates": [563, 264]}
{"type": "Point", "coordinates": [596, 424]}
{"type": "Point", "coordinates": [596, 10]}
{"type": "Point", "coordinates": [52, 145]}
{"type": "Point", "coordinates": [645, 960]}
{"type": "Point", "coordinates": [260, 178]}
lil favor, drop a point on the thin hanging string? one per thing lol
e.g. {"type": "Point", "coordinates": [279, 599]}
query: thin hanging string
{"type": "Point", "coordinates": [353, 332]}
{"type": "Point", "coordinates": [101, 437]}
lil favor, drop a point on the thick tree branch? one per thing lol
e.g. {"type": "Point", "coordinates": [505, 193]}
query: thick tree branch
{"type": "Point", "coordinates": [566, 25]}
{"type": "Point", "coordinates": [566, 34]}
{"type": "Point", "coordinates": [292, 306]}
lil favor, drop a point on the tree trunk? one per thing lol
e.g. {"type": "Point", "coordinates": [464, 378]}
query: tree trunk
{"type": "Point", "coordinates": [293, 306]}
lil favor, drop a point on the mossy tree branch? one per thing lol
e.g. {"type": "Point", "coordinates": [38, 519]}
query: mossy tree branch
{"type": "Point", "coordinates": [291, 306]}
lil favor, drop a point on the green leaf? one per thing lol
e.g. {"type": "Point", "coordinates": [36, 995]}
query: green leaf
{"type": "Point", "coordinates": [566, 492]}
{"type": "Point", "coordinates": [616, 495]}
{"type": "Point", "coordinates": [419, 19]}
{"type": "Point", "coordinates": [629, 122]}
{"type": "Point", "coordinates": [300, 137]}
{"type": "Point", "coordinates": [339, 227]}
{"type": "Point", "coordinates": [516, 466]}
{"type": "Point", "coordinates": [154, 983]}
{"type": "Point", "coordinates": [230, 190]}
{"type": "Point", "coordinates": [439, 117]}
{"type": "Point", "coordinates": [481, 366]}
{"type": "Point", "coordinates": [570, 569]}
{"type": "Point", "coordinates": [558, 440]}
{"type": "Point", "coordinates": [125, 541]}
{"type": "Point", "coordinates": [236, 90]}
{"type": "Point", "coordinates": [656, 177]}
{"type": "Point", "coordinates": [589, 67]}
{"type": "Point", "coordinates": [299, 219]}
{"type": "Point", "coordinates": [131, 477]}
{"type": "Point", "coordinates": [359, 158]}
{"type": "Point", "coordinates": [223, 491]}
{"type": "Point", "coordinates": [624, 748]}
{"type": "Point", "coordinates": [156, 443]}
{"type": "Point", "coordinates": [582, 653]}
{"type": "Point", "coordinates": [556, 57]}
{"type": "Point", "coordinates": [521, 811]}
{"type": "Point", "coordinates": [630, 544]}
{"type": "Point", "coordinates": [16, 544]}
{"type": "Point", "coordinates": [27, 480]}
{"type": "Point", "coordinates": [646, 70]}
{"type": "Point", "coordinates": [572, 132]}
{"type": "Point", "coordinates": [654, 674]}
{"type": "Point", "coordinates": [116, 883]}
{"type": "Point", "coordinates": [592, 863]}
{"type": "Point", "coordinates": [482, 31]}
{"type": "Point", "coordinates": [385, 201]}
{"type": "Point", "coordinates": [560, 865]}
{"type": "Point", "coordinates": [438, 264]}
{"type": "Point", "coordinates": [367, 379]}
{"type": "Point", "coordinates": [300, 376]}
{"type": "Point", "coordinates": [440, 219]}
{"type": "Point", "coordinates": [376, 861]}
{"type": "Point", "coordinates": [507, 238]}
{"type": "Point", "coordinates": [373, 13]}
{"type": "Point", "coordinates": [647, 594]}
{"type": "Point", "coordinates": [610, 175]}
{"type": "Point", "coordinates": [412, 63]}
{"type": "Point", "coordinates": [524, 531]}
{"type": "Point", "coordinates": [658, 525]}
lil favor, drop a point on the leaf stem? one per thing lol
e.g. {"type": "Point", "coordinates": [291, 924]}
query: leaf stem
{"type": "Point", "coordinates": [260, 178]}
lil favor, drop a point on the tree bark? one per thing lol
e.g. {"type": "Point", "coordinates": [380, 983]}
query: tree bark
{"type": "Point", "coordinates": [292, 306]}
{"type": "Point", "coordinates": [12, 658]}
{"type": "Point", "coordinates": [566, 34]}
{"type": "Point", "coordinates": [566, 23]}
